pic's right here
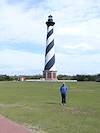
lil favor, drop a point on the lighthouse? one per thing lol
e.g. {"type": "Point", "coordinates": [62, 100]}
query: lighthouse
{"type": "Point", "coordinates": [49, 69]}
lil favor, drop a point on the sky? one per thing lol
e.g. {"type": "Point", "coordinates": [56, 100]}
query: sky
{"type": "Point", "coordinates": [23, 36]}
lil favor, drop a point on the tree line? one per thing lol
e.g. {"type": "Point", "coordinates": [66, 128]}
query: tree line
{"type": "Point", "coordinates": [80, 77]}
{"type": "Point", "coordinates": [59, 77]}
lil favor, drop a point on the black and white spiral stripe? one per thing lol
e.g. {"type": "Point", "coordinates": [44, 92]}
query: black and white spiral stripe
{"type": "Point", "coordinates": [50, 53]}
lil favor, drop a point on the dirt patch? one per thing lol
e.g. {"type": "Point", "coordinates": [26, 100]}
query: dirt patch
{"type": "Point", "coordinates": [83, 90]}
{"type": "Point", "coordinates": [34, 129]}
{"type": "Point", "coordinates": [11, 105]}
{"type": "Point", "coordinates": [77, 111]}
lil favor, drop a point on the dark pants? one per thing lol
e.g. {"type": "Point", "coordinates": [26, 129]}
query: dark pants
{"type": "Point", "coordinates": [63, 98]}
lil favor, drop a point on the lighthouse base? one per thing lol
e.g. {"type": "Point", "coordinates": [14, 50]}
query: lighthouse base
{"type": "Point", "coordinates": [50, 75]}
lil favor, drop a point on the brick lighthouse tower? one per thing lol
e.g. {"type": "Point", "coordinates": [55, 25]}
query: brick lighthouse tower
{"type": "Point", "coordinates": [49, 69]}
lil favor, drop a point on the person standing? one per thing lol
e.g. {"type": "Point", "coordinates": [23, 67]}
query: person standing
{"type": "Point", "coordinates": [63, 91]}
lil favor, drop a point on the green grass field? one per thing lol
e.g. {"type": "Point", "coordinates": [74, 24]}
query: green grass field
{"type": "Point", "coordinates": [37, 105]}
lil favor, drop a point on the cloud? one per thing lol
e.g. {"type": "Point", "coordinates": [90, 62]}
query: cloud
{"type": "Point", "coordinates": [19, 25]}
{"type": "Point", "coordinates": [16, 62]}
{"type": "Point", "coordinates": [81, 38]}
{"type": "Point", "coordinates": [75, 64]}
{"type": "Point", "coordinates": [23, 35]}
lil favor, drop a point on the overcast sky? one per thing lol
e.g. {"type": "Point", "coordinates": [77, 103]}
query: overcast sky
{"type": "Point", "coordinates": [23, 36]}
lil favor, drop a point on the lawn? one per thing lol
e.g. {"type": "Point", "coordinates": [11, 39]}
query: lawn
{"type": "Point", "coordinates": [37, 105]}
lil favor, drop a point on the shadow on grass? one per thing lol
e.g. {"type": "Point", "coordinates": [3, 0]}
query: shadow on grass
{"type": "Point", "coordinates": [55, 103]}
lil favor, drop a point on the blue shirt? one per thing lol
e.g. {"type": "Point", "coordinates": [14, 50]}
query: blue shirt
{"type": "Point", "coordinates": [63, 89]}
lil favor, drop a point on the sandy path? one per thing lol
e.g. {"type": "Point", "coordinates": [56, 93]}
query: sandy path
{"type": "Point", "coordinates": [8, 126]}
